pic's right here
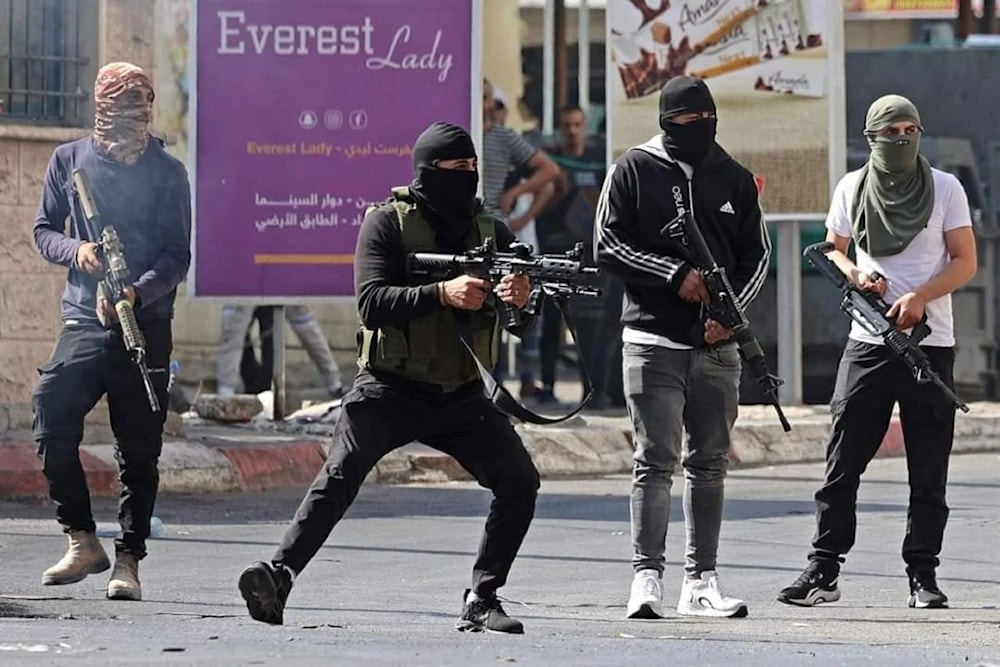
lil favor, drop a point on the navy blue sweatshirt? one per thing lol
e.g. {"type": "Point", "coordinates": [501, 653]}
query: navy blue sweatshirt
{"type": "Point", "coordinates": [148, 204]}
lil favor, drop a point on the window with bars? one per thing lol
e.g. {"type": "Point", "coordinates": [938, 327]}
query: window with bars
{"type": "Point", "coordinates": [47, 56]}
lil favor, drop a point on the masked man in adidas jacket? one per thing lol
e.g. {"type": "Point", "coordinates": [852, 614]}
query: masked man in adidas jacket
{"type": "Point", "coordinates": [681, 369]}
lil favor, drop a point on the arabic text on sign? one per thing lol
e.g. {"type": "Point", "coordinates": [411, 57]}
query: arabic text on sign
{"type": "Point", "coordinates": [308, 222]}
{"type": "Point", "coordinates": [329, 201]}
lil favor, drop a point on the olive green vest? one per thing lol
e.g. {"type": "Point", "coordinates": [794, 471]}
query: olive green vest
{"type": "Point", "coordinates": [428, 349]}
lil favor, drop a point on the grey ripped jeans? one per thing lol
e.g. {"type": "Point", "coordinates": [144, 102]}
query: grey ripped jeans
{"type": "Point", "coordinates": [669, 392]}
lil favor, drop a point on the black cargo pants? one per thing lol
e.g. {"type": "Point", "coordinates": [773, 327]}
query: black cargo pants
{"type": "Point", "coordinates": [382, 413]}
{"type": "Point", "coordinates": [869, 383]}
{"type": "Point", "coordinates": [87, 363]}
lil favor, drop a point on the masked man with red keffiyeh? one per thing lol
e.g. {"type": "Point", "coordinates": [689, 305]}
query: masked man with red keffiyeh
{"type": "Point", "coordinates": [144, 194]}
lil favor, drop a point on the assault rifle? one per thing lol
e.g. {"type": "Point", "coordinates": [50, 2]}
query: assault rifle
{"type": "Point", "coordinates": [112, 284]}
{"type": "Point", "coordinates": [557, 276]}
{"type": "Point", "coordinates": [724, 308]}
{"type": "Point", "coordinates": [869, 310]}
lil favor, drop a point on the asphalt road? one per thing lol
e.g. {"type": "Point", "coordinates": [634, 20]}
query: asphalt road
{"type": "Point", "coordinates": [386, 588]}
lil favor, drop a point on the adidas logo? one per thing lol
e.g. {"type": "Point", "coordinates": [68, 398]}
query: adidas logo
{"type": "Point", "coordinates": [728, 208]}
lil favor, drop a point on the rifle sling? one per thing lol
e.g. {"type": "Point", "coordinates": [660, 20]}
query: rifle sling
{"type": "Point", "coordinates": [498, 394]}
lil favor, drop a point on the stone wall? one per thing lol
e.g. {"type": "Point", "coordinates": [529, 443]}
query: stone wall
{"type": "Point", "coordinates": [29, 287]}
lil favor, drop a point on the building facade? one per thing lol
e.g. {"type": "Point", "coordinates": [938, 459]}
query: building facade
{"type": "Point", "coordinates": [50, 51]}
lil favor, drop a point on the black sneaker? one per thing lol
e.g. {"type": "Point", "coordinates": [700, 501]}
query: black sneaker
{"type": "Point", "coordinates": [486, 614]}
{"type": "Point", "coordinates": [818, 583]}
{"type": "Point", "coordinates": [924, 591]}
{"type": "Point", "coordinates": [265, 590]}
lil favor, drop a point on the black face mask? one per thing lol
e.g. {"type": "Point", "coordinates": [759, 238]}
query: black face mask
{"type": "Point", "coordinates": [692, 142]}
{"type": "Point", "coordinates": [447, 197]}
{"type": "Point", "coordinates": [450, 195]}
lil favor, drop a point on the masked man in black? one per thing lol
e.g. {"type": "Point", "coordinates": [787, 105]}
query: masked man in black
{"type": "Point", "coordinates": [417, 382]}
{"type": "Point", "coordinates": [681, 369]}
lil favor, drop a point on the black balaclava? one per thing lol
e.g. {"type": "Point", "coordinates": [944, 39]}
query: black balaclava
{"type": "Point", "coordinates": [446, 196]}
{"type": "Point", "coordinates": [689, 143]}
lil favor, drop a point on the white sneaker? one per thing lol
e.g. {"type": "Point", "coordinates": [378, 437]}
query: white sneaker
{"type": "Point", "coordinates": [646, 598]}
{"type": "Point", "coordinates": [702, 597]}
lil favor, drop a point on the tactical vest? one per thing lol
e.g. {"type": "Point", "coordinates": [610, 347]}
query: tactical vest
{"type": "Point", "coordinates": [428, 349]}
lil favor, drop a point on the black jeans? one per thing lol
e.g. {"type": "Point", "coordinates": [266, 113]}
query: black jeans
{"type": "Point", "coordinates": [869, 383]}
{"type": "Point", "coordinates": [257, 375]}
{"type": "Point", "coordinates": [87, 363]}
{"type": "Point", "coordinates": [382, 413]}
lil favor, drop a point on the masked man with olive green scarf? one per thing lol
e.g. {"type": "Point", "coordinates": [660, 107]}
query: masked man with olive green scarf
{"type": "Point", "coordinates": [417, 382]}
{"type": "Point", "coordinates": [911, 224]}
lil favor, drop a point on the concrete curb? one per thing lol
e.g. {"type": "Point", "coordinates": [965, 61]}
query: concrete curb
{"type": "Point", "coordinates": [245, 460]}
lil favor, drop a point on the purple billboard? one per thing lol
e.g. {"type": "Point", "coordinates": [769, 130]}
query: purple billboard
{"type": "Point", "coordinates": [304, 112]}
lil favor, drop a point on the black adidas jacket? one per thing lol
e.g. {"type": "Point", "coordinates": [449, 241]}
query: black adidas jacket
{"type": "Point", "coordinates": [643, 191]}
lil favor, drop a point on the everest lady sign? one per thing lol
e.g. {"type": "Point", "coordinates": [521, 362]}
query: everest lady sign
{"type": "Point", "coordinates": [303, 113]}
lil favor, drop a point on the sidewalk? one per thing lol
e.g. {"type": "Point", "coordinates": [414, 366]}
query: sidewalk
{"type": "Point", "coordinates": [216, 458]}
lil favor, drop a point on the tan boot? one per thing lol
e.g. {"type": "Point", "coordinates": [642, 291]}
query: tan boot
{"type": "Point", "coordinates": [84, 556]}
{"type": "Point", "coordinates": [124, 584]}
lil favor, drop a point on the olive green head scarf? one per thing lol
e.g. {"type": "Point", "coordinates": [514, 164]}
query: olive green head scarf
{"type": "Point", "coordinates": [895, 193]}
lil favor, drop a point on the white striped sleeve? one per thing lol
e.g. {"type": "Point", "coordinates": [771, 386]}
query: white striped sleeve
{"type": "Point", "coordinates": [614, 231]}
{"type": "Point", "coordinates": [756, 236]}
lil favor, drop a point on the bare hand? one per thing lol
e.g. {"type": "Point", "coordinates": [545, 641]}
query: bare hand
{"type": "Point", "coordinates": [505, 202]}
{"type": "Point", "coordinates": [87, 259]}
{"type": "Point", "coordinates": [466, 292]}
{"type": "Point", "coordinates": [715, 332]}
{"type": "Point", "coordinates": [108, 309]}
{"type": "Point", "coordinates": [866, 283]}
{"type": "Point", "coordinates": [908, 310]}
{"type": "Point", "coordinates": [514, 290]}
{"type": "Point", "coordinates": [693, 289]}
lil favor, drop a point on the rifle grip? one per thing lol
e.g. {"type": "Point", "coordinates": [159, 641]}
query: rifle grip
{"type": "Point", "coordinates": [511, 316]}
{"type": "Point", "coordinates": [920, 331]}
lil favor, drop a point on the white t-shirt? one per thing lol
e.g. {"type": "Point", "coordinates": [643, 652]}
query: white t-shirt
{"type": "Point", "coordinates": [925, 256]}
{"type": "Point", "coordinates": [527, 234]}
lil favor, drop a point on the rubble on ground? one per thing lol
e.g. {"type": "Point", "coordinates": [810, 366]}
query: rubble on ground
{"type": "Point", "coordinates": [237, 408]}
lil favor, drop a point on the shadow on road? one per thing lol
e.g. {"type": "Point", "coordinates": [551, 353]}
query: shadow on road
{"type": "Point", "coordinates": [375, 502]}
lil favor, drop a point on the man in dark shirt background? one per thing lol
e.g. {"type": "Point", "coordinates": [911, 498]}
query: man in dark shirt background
{"type": "Point", "coordinates": [144, 194]}
{"type": "Point", "coordinates": [568, 220]}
